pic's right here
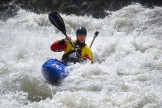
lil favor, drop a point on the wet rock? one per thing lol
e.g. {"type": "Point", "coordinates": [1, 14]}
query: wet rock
{"type": "Point", "coordinates": [71, 9]}
{"type": "Point", "coordinates": [84, 3]}
{"type": "Point", "coordinates": [39, 2]}
{"type": "Point", "coordinates": [55, 2]}
{"type": "Point", "coordinates": [96, 8]}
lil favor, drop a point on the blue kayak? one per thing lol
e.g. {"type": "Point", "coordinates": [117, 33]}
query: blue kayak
{"type": "Point", "coordinates": [54, 71]}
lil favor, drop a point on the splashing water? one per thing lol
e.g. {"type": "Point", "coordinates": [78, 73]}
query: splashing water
{"type": "Point", "coordinates": [128, 63]}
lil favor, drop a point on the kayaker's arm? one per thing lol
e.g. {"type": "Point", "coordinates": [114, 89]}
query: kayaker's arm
{"type": "Point", "coordinates": [58, 46]}
{"type": "Point", "coordinates": [88, 55]}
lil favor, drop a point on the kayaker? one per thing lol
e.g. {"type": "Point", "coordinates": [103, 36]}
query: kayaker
{"type": "Point", "coordinates": [70, 55]}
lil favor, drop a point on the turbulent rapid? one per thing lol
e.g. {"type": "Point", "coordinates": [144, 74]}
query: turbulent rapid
{"type": "Point", "coordinates": [127, 72]}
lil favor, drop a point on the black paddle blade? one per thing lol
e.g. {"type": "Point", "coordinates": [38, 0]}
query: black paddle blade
{"type": "Point", "coordinates": [57, 21]}
{"type": "Point", "coordinates": [96, 33]}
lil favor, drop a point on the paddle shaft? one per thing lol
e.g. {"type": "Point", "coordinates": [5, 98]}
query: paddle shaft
{"type": "Point", "coordinates": [96, 34]}
{"type": "Point", "coordinates": [92, 42]}
{"type": "Point", "coordinates": [58, 22]}
{"type": "Point", "coordinates": [74, 48]}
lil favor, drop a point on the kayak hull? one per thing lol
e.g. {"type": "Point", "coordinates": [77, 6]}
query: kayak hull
{"type": "Point", "coordinates": [54, 70]}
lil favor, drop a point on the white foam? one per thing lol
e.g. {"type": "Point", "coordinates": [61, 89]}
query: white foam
{"type": "Point", "coordinates": [128, 64]}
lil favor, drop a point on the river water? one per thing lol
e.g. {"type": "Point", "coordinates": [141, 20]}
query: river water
{"type": "Point", "coordinates": [127, 72]}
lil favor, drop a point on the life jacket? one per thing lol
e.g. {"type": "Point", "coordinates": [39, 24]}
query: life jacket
{"type": "Point", "coordinates": [69, 53]}
{"type": "Point", "coordinates": [71, 56]}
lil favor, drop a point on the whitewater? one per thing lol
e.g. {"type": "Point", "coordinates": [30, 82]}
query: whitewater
{"type": "Point", "coordinates": [127, 72]}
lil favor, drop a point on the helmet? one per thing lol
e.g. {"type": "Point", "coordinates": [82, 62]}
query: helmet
{"type": "Point", "coordinates": [81, 31]}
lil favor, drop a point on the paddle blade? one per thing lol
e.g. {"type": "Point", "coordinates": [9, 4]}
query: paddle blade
{"type": "Point", "coordinates": [96, 33]}
{"type": "Point", "coordinates": [57, 21]}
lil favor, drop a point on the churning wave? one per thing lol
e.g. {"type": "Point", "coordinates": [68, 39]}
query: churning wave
{"type": "Point", "coordinates": [126, 72]}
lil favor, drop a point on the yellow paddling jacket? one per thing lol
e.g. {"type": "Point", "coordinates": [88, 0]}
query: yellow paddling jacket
{"type": "Point", "coordinates": [83, 50]}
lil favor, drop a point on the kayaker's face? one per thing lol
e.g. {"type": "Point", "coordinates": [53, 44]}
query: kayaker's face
{"type": "Point", "coordinates": [81, 38]}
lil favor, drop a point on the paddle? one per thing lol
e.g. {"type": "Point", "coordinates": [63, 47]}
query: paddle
{"type": "Point", "coordinates": [96, 34]}
{"type": "Point", "coordinates": [58, 22]}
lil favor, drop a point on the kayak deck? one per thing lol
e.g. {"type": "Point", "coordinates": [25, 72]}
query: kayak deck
{"type": "Point", "coordinates": [54, 70]}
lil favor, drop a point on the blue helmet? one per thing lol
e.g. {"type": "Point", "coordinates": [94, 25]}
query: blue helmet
{"type": "Point", "coordinates": [81, 31]}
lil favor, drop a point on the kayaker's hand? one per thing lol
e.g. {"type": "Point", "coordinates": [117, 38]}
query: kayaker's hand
{"type": "Point", "coordinates": [68, 39]}
{"type": "Point", "coordinates": [65, 40]}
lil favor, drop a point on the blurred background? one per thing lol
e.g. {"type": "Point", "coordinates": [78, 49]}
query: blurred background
{"type": "Point", "coordinates": [96, 8]}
